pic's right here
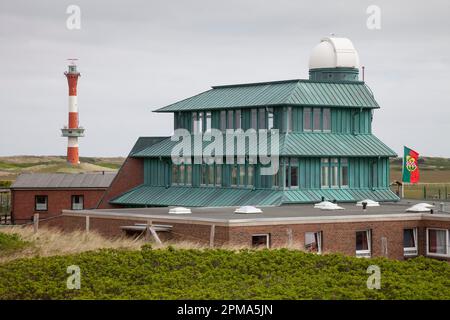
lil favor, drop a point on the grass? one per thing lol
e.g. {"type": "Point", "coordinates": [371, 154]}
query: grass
{"type": "Point", "coordinates": [11, 243]}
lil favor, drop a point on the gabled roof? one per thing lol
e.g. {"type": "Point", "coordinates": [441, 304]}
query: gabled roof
{"type": "Point", "coordinates": [300, 144]}
{"type": "Point", "coordinates": [145, 142]}
{"type": "Point", "coordinates": [63, 180]}
{"type": "Point", "coordinates": [277, 93]}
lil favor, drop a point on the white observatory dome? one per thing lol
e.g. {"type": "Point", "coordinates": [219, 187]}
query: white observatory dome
{"type": "Point", "coordinates": [334, 52]}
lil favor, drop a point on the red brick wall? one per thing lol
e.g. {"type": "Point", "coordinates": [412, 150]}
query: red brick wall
{"type": "Point", "coordinates": [23, 202]}
{"type": "Point", "coordinates": [336, 237]}
{"type": "Point", "coordinates": [130, 175]}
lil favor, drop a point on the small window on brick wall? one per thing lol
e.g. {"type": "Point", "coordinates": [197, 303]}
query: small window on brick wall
{"type": "Point", "coordinates": [261, 241]}
{"type": "Point", "coordinates": [77, 202]}
{"type": "Point", "coordinates": [313, 242]}
{"type": "Point", "coordinates": [41, 203]}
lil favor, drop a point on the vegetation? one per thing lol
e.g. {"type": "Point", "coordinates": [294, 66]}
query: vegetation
{"type": "Point", "coordinates": [10, 243]}
{"type": "Point", "coordinates": [169, 273]}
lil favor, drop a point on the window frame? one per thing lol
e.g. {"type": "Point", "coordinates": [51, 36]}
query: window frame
{"type": "Point", "coordinates": [267, 235]}
{"type": "Point", "coordinates": [364, 253]}
{"type": "Point", "coordinates": [319, 241]}
{"type": "Point", "coordinates": [72, 201]}
{"type": "Point", "coordinates": [46, 202]}
{"type": "Point", "coordinates": [410, 251]}
{"type": "Point", "coordinates": [446, 254]}
{"type": "Point", "coordinates": [309, 120]}
{"type": "Point", "coordinates": [329, 120]}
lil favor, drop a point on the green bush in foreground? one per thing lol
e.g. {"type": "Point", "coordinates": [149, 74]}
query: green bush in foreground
{"type": "Point", "coordinates": [10, 243]}
{"type": "Point", "coordinates": [221, 274]}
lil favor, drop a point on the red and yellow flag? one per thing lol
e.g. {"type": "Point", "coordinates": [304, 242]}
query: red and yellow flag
{"type": "Point", "coordinates": [410, 166]}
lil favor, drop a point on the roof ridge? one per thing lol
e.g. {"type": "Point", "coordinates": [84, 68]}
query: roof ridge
{"type": "Point", "coordinates": [255, 83]}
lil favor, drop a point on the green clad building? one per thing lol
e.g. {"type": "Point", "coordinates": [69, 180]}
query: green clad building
{"type": "Point", "coordinates": [326, 146]}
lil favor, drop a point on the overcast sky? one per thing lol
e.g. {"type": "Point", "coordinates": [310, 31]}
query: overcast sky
{"type": "Point", "coordinates": [136, 56]}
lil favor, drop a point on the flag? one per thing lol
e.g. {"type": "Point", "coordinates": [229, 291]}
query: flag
{"type": "Point", "coordinates": [410, 166]}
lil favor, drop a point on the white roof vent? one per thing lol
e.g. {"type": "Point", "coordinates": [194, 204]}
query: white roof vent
{"type": "Point", "coordinates": [370, 203]}
{"type": "Point", "coordinates": [248, 209]}
{"type": "Point", "coordinates": [327, 205]}
{"type": "Point", "coordinates": [179, 210]}
{"type": "Point", "coordinates": [420, 207]}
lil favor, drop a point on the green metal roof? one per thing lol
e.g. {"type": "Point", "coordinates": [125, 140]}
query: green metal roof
{"type": "Point", "coordinates": [219, 197]}
{"type": "Point", "coordinates": [277, 93]}
{"type": "Point", "coordinates": [300, 144]}
{"type": "Point", "coordinates": [145, 142]}
{"type": "Point", "coordinates": [197, 197]}
{"type": "Point", "coordinates": [340, 195]}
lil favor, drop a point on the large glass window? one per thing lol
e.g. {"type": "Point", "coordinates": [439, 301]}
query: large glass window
{"type": "Point", "coordinates": [307, 119]}
{"type": "Point", "coordinates": [410, 242]}
{"type": "Point", "coordinates": [313, 242]}
{"type": "Point", "coordinates": [188, 174]}
{"type": "Point", "coordinates": [195, 122]}
{"type": "Point", "coordinates": [317, 119]}
{"type": "Point", "coordinates": [254, 124]}
{"type": "Point", "coordinates": [230, 124]}
{"type": "Point", "coordinates": [223, 120]}
{"type": "Point", "coordinates": [326, 119]}
{"type": "Point", "coordinates": [374, 175]}
{"type": "Point", "coordinates": [182, 174]}
{"type": "Point", "coordinates": [270, 118]}
{"type": "Point", "coordinates": [218, 174]}
{"type": "Point", "coordinates": [77, 202]}
{"type": "Point", "coordinates": [211, 175]}
{"type": "Point", "coordinates": [250, 175]}
{"type": "Point", "coordinates": [204, 177]}
{"type": "Point", "coordinates": [208, 121]}
{"type": "Point", "coordinates": [363, 243]}
{"type": "Point", "coordinates": [276, 180]}
{"type": "Point", "coordinates": [175, 174]}
{"type": "Point", "coordinates": [234, 174]}
{"type": "Point", "coordinates": [437, 241]}
{"type": "Point", "coordinates": [294, 173]}
{"type": "Point", "coordinates": [41, 203]}
{"type": "Point", "coordinates": [200, 122]}
{"type": "Point", "coordinates": [324, 173]}
{"type": "Point", "coordinates": [242, 175]}
{"type": "Point", "coordinates": [262, 118]}
{"type": "Point", "coordinates": [344, 172]}
{"type": "Point", "coordinates": [237, 119]}
{"type": "Point", "coordinates": [334, 162]}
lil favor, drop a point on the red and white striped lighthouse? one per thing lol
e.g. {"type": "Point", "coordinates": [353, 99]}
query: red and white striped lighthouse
{"type": "Point", "coordinates": [73, 131]}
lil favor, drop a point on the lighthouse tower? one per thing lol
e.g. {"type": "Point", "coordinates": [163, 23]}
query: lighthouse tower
{"type": "Point", "coordinates": [73, 131]}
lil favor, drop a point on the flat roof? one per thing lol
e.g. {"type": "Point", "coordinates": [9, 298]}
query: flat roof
{"type": "Point", "coordinates": [287, 214]}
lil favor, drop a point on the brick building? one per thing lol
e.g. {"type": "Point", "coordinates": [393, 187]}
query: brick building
{"type": "Point", "coordinates": [49, 194]}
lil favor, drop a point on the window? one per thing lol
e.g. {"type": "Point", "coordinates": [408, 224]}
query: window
{"type": "Point", "coordinates": [344, 172]}
{"type": "Point", "coordinates": [262, 118]}
{"type": "Point", "coordinates": [223, 120]}
{"type": "Point", "coordinates": [250, 169]}
{"type": "Point", "coordinates": [242, 175]}
{"type": "Point", "coordinates": [289, 119]}
{"type": "Point", "coordinates": [254, 124]}
{"type": "Point", "coordinates": [204, 177]}
{"type": "Point", "coordinates": [270, 118]}
{"type": "Point", "coordinates": [194, 122]}
{"type": "Point", "coordinates": [181, 174]}
{"type": "Point", "coordinates": [175, 175]}
{"type": "Point", "coordinates": [211, 175]}
{"type": "Point", "coordinates": [363, 243]}
{"type": "Point", "coordinates": [218, 174]}
{"type": "Point", "coordinates": [230, 120]}
{"type": "Point", "coordinates": [260, 241]}
{"type": "Point", "coordinates": [374, 173]}
{"type": "Point", "coordinates": [237, 119]}
{"type": "Point", "coordinates": [234, 175]}
{"type": "Point", "coordinates": [208, 121]}
{"type": "Point", "coordinates": [410, 242]}
{"type": "Point", "coordinates": [294, 173]}
{"type": "Point", "coordinates": [334, 162]}
{"type": "Point", "coordinates": [326, 119]}
{"type": "Point", "coordinates": [41, 203]}
{"type": "Point", "coordinates": [316, 119]}
{"type": "Point", "coordinates": [437, 241]}
{"type": "Point", "coordinates": [324, 176]}
{"type": "Point", "coordinates": [77, 202]}
{"type": "Point", "coordinates": [307, 119]}
{"type": "Point", "coordinates": [276, 180]}
{"type": "Point", "coordinates": [200, 122]}
{"type": "Point", "coordinates": [313, 242]}
{"type": "Point", "coordinates": [188, 174]}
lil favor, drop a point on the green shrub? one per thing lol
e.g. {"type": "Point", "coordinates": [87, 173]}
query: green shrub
{"type": "Point", "coordinates": [10, 243]}
{"type": "Point", "coordinates": [221, 274]}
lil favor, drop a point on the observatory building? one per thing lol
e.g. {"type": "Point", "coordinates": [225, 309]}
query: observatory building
{"type": "Point", "coordinates": [326, 146]}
